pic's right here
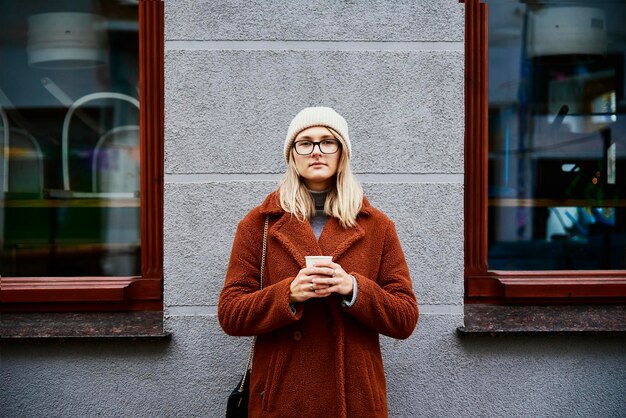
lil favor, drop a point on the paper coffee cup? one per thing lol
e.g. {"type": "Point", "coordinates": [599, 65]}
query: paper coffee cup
{"type": "Point", "coordinates": [311, 259]}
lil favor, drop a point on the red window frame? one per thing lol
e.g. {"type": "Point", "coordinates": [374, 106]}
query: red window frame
{"type": "Point", "coordinates": [490, 286]}
{"type": "Point", "coordinates": [145, 292]}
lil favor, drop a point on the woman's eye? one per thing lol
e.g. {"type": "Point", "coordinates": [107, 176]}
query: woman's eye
{"type": "Point", "coordinates": [305, 143]}
{"type": "Point", "coordinates": [328, 142]}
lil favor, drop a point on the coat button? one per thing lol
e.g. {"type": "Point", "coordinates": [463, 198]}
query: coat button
{"type": "Point", "coordinates": [297, 335]}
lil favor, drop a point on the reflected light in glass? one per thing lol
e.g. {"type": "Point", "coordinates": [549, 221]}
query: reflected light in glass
{"type": "Point", "coordinates": [66, 41]}
{"type": "Point", "coordinates": [567, 30]}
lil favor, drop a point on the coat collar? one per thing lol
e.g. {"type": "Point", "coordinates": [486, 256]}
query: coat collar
{"type": "Point", "coordinates": [271, 206]}
{"type": "Point", "coordinates": [298, 239]}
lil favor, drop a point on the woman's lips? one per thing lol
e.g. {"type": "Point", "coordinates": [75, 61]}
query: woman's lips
{"type": "Point", "coordinates": [316, 163]}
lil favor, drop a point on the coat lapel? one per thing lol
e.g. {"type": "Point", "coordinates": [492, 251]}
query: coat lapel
{"type": "Point", "coordinates": [335, 239]}
{"type": "Point", "coordinates": [296, 237]}
{"type": "Point", "coordinates": [299, 240]}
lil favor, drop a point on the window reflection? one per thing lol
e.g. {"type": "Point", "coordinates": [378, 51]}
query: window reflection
{"type": "Point", "coordinates": [557, 135]}
{"type": "Point", "coordinates": [69, 114]}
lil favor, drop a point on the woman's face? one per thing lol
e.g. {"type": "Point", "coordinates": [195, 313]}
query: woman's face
{"type": "Point", "coordinates": [317, 168]}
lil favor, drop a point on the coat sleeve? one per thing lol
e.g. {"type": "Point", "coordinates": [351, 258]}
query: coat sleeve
{"type": "Point", "coordinates": [387, 305]}
{"type": "Point", "coordinates": [243, 308]}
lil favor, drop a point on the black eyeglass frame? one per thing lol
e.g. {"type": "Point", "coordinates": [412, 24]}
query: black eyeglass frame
{"type": "Point", "coordinates": [319, 146]}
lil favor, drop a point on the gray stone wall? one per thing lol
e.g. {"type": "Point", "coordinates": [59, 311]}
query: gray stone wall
{"type": "Point", "coordinates": [236, 73]}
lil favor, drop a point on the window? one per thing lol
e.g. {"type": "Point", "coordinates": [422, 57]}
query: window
{"type": "Point", "coordinates": [545, 146]}
{"type": "Point", "coordinates": [81, 106]}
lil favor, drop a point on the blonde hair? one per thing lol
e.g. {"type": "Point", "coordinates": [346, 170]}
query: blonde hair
{"type": "Point", "coordinates": [344, 199]}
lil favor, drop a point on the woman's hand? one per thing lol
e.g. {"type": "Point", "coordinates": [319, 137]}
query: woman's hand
{"type": "Point", "coordinates": [320, 281]}
{"type": "Point", "coordinates": [337, 281]}
{"type": "Point", "coordinates": [303, 287]}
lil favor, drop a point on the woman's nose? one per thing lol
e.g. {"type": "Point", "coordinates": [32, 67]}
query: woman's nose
{"type": "Point", "coordinates": [317, 149]}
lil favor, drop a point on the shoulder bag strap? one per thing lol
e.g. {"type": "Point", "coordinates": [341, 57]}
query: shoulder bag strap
{"type": "Point", "coordinates": [251, 355]}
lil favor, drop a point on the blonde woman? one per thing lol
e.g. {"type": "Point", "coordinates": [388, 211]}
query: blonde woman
{"type": "Point", "coordinates": [317, 352]}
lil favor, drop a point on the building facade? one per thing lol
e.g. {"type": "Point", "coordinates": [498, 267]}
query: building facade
{"type": "Point", "coordinates": [235, 74]}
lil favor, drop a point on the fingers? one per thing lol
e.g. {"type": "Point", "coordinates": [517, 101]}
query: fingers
{"type": "Point", "coordinates": [303, 287]}
{"type": "Point", "coordinates": [332, 285]}
{"type": "Point", "coordinates": [320, 271]}
{"type": "Point", "coordinates": [326, 281]}
{"type": "Point", "coordinates": [332, 273]}
{"type": "Point", "coordinates": [321, 280]}
{"type": "Point", "coordinates": [338, 282]}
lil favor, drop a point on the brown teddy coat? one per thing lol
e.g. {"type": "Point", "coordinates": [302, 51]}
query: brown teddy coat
{"type": "Point", "coordinates": [324, 360]}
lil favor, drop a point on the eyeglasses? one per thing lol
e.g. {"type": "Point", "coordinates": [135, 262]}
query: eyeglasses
{"type": "Point", "coordinates": [326, 146]}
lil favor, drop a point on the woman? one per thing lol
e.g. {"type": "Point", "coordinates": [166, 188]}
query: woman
{"type": "Point", "coordinates": [317, 352]}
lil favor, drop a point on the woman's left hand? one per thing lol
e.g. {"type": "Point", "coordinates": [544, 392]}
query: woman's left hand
{"type": "Point", "coordinates": [340, 282]}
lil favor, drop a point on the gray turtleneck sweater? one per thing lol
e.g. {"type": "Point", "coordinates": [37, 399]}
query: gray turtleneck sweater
{"type": "Point", "coordinates": [319, 220]}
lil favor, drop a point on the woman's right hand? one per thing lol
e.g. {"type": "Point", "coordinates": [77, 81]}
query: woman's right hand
{"type": "Point", "coordinates": [302, 287]}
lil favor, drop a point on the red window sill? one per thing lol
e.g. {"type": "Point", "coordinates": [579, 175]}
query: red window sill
{"type": "Point", "coordinates": [541, 284]}
{"type": "Point", "coordinates": [73, 294]}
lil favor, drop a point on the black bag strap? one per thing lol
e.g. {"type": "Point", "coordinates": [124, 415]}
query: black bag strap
{"type": "Point", "coordinates": [251, 355]}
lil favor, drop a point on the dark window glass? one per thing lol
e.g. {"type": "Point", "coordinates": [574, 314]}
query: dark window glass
{"type": "Point", "coordinates": [70, 138]}
{"type": "Point", "coordinates": [557, 135]}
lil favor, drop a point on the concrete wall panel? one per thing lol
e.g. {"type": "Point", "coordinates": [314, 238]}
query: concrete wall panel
{"type": "Point", "coordinates": [200, 223]}
{"type": "Point", "coordinates": [429, 221]}
{"type": "Point", "coordinates": [378, 20]}
{"type": "Point", "coordinates": [433, 373]}
{"type": "Point", "coordinates": [201, 220]}
{"type": "Point", "coordinates": [436, 373]}
{"type": "Point", "coordinates": [228, 111]}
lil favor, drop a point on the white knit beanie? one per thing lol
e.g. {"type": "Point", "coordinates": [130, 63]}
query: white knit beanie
{"type": "Point", "coordinates": [318, 116]}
